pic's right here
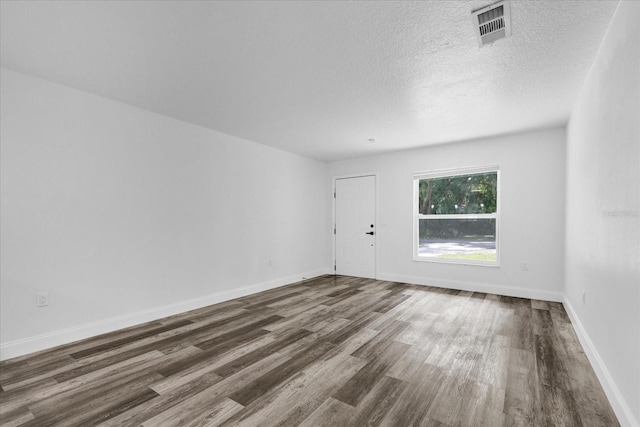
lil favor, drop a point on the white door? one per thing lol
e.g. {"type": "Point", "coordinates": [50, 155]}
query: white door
{"type": "Point", "coordinates": [355, 226]}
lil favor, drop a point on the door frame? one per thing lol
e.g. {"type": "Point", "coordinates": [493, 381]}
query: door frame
{"type": "Point", "coordinates": [333, 217]}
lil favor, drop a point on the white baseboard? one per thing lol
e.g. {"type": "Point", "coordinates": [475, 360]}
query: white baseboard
{"type": "Point", "coordinates": [618, 403]}
{"type": "Point", "coordinates": [510, 291]}
{"type": "Point", "coordinates": [52, 339]}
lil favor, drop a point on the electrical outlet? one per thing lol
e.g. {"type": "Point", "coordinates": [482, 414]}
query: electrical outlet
{"type": "Point", "coordinates": [42, 299]}
{"type": "Point", "coordinates": [524, 266]}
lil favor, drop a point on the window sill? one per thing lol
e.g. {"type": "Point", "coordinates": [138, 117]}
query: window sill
{"type": "Point", "coordinates": [435, 260]}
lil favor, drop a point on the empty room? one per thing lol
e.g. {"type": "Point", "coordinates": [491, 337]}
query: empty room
{"type": "Point", "coordinates": [320, 213]}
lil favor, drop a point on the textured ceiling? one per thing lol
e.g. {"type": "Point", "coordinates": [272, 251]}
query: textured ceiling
{"type": "Point", "coordinates": [316, 78]}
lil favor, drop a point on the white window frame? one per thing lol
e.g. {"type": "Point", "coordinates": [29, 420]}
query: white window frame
{"type": "Point", "coordinates": [442, 173]}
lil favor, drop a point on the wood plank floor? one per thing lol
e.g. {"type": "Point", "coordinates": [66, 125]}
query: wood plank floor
{"type": "Point", "coordinates": [332, 351]}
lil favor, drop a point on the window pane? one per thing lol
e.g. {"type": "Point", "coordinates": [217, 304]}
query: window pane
{"type": "Point", "coordinates": [461, 239]}
{"type": "Point", "coordinates": [463, 194]}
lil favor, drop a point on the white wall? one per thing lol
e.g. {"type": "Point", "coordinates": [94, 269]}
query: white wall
{"type": "Point", "coordinates": [603, 205]}
{"type": "Point", "coordinates": [124, 215]}
{"type": "Point", "coordinates": [532, 213]}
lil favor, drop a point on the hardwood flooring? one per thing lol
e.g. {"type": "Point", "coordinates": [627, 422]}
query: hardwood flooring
{"type": "Point", "coordinates": [332, 351]}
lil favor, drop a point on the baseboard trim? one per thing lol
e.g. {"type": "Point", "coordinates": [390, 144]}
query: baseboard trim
{"type": "Point", "coordinates": [618, 403]}
{"type": "Point", "coordinates": [510, 291]}
{"type": "Point", "coordinates": [65, 336]}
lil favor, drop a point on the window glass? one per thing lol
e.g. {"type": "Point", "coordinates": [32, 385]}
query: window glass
{"type": "Point", "coordinates": [465, 194]}
{"type": "Point", "coordinates": [457, 217]}
{"type": "Point", "coordinates": [463, 239]}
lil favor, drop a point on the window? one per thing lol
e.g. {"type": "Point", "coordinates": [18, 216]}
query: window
{"type": "Point", "coordinates": [456, 216]}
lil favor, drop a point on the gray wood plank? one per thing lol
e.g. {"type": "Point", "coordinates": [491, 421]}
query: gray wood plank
{"type": "Point", "coordinates": [333, 350]}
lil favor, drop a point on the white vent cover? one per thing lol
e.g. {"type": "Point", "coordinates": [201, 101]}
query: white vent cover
{"type": "Point", "coordinates": [492, 22]}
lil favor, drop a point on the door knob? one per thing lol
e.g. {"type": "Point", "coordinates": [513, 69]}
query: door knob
{"type": "Point", "coordinates": [370, 233]}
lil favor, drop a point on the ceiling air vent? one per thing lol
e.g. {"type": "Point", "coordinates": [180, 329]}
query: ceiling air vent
{"type": "Point", "coordinates": [492, 22]}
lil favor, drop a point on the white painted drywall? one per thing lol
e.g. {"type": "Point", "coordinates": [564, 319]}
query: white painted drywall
{"type": "Point", "coordinates": [603, 204]}
{"type": "Point", "coordinates": [115, 211]}
{"type": "Point", "coordinates": [531, 218]}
